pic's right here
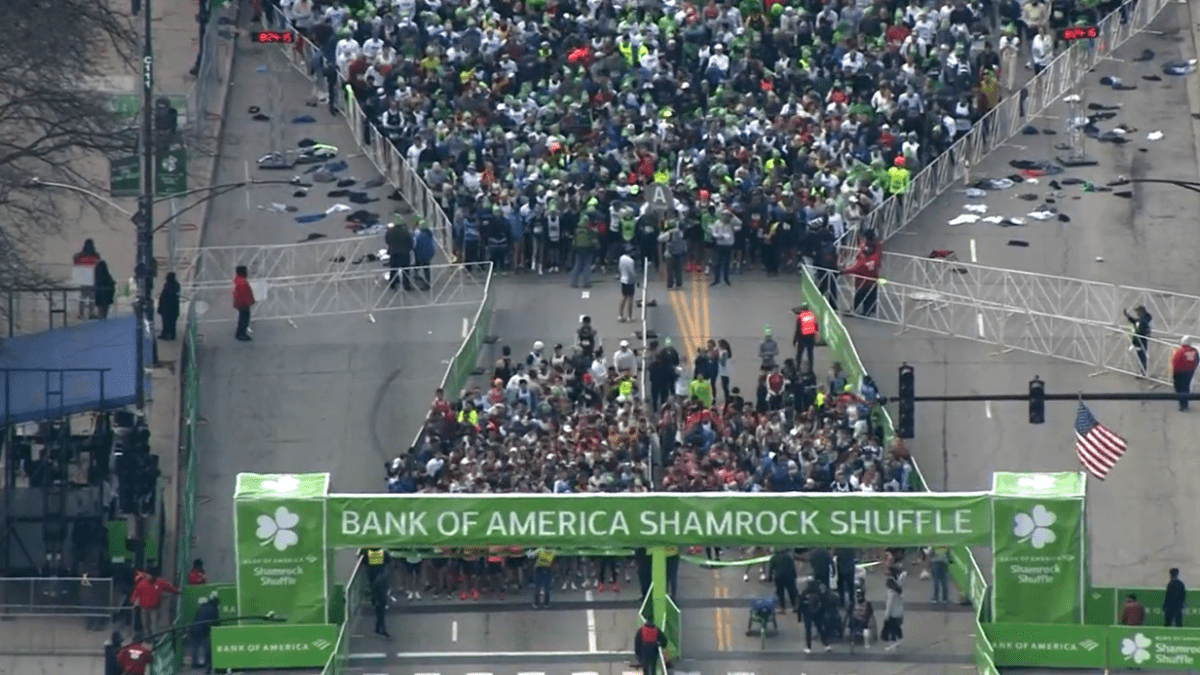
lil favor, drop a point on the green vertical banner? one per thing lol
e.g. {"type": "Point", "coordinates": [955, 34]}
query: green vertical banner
{"type": "Point", "coordinates": [279, 534]}
{"type": "Point", "coordinates": [1038, 544]}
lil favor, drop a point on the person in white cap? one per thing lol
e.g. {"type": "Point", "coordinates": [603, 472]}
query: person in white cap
{"type": "Point", "coordinates": [535, 358]}
{"type": "Point", "coordinates": [624, 360]}
{"type": "Point", "coordinates": [1183, 367]}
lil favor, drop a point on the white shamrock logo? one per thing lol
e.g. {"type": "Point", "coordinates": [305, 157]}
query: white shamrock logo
{"type": "Point", "coordinates": [277, 530]}
{"type": "Point", "coordinates": [169, 164]}
{"type": "Point", "coordinates": [1038, 482]}
{"type": "Point", "coordinates": [1136, 648]}
{"type": "Point", "coordinates": [1034, 526]}
{"type": "Point", "coordinates": [281, 484]}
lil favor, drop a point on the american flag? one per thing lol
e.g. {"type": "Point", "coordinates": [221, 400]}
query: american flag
{"type": "Point", "coordinates": [1096, 446]}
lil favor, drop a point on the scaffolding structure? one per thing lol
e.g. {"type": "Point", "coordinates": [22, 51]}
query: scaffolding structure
{"type": "Point", "coordinates": [993, 318]}
{"type": "Point", "coordinates": [53, 477]}
{"type": "Point", "coordinates": [215, 264]}
{"type": "Point", "coordinates": [1078, 300]}
{"type": "Point", "coordinates": [365, 292]}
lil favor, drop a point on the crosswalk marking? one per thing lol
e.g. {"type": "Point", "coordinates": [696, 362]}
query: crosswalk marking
{"type": "Point", "coordinates": [531, 673]}
{"type": "Point", "coordinates": [586, 673]}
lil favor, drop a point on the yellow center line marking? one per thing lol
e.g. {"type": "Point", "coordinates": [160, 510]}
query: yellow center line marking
{"type": "Point", "coordinates": [697, 317]}
{"type": "Point", "coordinates": [687, 327]}
{"type": "Point", "coordinates": [727, 620]}
{"type": "Point", "coordinates": [703, 317]}
{"type": "Point", "coordinates": [717, 632]}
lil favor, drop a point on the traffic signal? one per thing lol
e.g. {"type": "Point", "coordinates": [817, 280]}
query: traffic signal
{"type": "Point", "coordinates": [1037, 401]}
{"type": "Point", "coordinates": [907, 424]}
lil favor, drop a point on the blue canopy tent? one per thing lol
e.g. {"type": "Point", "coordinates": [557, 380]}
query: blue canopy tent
{"type": "Point", "coordinates": [62, 372]}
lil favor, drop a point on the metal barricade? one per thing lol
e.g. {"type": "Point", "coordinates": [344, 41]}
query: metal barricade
{"type": "Point", "coordinates": [52, 596]}
{"type": "Point", "coordinates": [56, 615]}
{"type": "Point", "coordinates": [365, 292]}
{"type": "Point", "coordinates": [961, 311]}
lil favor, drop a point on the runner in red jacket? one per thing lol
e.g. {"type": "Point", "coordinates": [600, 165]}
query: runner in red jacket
{"type": "Point", "coordinates": [865, 271]}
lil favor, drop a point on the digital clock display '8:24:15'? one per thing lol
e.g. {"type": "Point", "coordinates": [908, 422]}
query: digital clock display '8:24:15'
{"type": "Point", "coordinates": [278, 36]}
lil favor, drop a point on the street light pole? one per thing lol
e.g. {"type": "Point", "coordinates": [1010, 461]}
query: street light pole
{"type": "Point", "coordinates": [144, 219]}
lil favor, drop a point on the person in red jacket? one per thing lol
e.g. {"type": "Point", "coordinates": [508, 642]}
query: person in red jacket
{"type": "Point", "coordinates": [196, 576]}
{"type": "Point", "coordinates": [243, 300]}
{"type": "Point", "coordinates": [87, 259]}
{"type": "Point", "coordinates": [865, 271]}
{"type": "Point", "coordinates": [147, 597]}
{"type": "Point", "coordinates": [135, 657]}
{"type": "Point", "coordinates": [1183, 367]}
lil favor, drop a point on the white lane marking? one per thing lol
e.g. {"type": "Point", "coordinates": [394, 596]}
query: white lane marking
{"type": "Point", "coordinates": [413, 656]}
{"type": "Point", "coordinates": [974, 257]}
{"type": "Point", "coordinates": [371, 655]}
{"type": "Point", "coordinates": [740, 673]}
{"type": "Point", "coordinates": [987, 408]}
{"type": "Point", "coordinates": [454, 631]}
{"type": "Point", "coordinates": [531, 673]}
{"type": "Point", "coordinates": [466, 327]}
{"type": "Point", "coordinates": [591, 623]}
{"type": "Point", "coordinates": [479, 674]}
{"type": "Point", "coordinates": [586, 672]}
{"type": "Point", "coordinates": [979, 323]}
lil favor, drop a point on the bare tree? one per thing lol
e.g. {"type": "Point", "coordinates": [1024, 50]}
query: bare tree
{"type": "Point", "coordinates": [50, 118]}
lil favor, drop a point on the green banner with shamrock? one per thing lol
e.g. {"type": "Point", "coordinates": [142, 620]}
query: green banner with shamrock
{"type": "Point", "coordinates": [1138, 647]}
{"type": "Point", "coordinates": [1038, 547]}
{"type": "Point", "coordinates": [279, 533]}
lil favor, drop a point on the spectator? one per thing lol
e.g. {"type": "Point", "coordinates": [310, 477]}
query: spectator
{"type": "Point", "coordinates": [1174, 600]}
{"type": "Point", "coordinates": [168, 306]}
{"type": "Point", "coordinates": [200, 632]}
{"type": "Point", "coordinates": [147, 596]}
{"type": "Point", "coordinates": [1133, 613]}
{"type": "Point", "coordinates": [104, 290]}
{"type": "Point", "coordinates": [196, 576]}
{"type": "Point", "coordinates": [85, 261]}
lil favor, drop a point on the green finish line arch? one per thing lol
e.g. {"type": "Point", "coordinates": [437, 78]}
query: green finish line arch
{"type": "Point", "coordinates": [287, 526]}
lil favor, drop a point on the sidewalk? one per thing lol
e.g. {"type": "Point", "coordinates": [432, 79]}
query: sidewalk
{"type": "Point", "coordinates": [176, 41]}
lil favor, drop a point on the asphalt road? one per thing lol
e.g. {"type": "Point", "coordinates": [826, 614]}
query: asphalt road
{"type": "Point", "coordinates": [1140, 516]}
{"type": "Point", "coordinates": [337, 394]}
{"type": "Point", "coordinates": [590, 632]}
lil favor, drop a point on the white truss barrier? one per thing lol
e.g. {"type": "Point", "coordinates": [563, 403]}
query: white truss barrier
{"type": "Point", "coordinates": [1175, 314]}
{"type": "Point", "coordinates": [1005, 120]}
{"type": "Point", "coordinates": [365, 292]}
{"type": "Point", "coordinates": [954, 311]}
{"type": "Point", "coordinates": [214, 264]}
